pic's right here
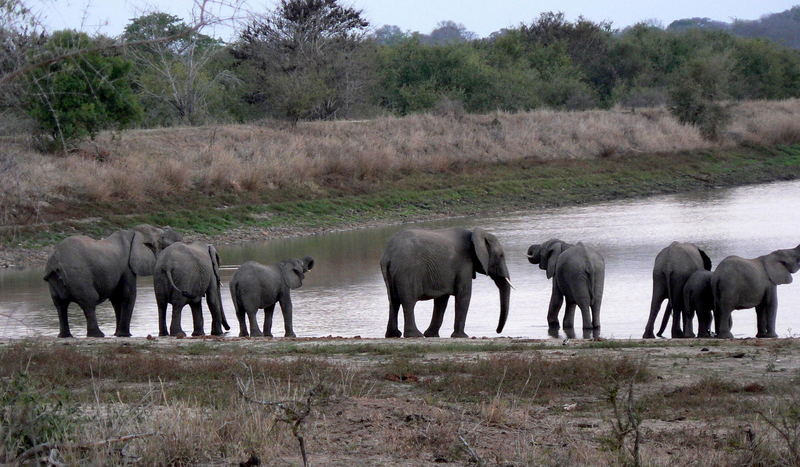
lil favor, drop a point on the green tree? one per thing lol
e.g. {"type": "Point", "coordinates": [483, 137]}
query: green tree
{"type": "Point", "coordinates": [696, 92]}
{"type": "Point", "coordinates": [76, 97]}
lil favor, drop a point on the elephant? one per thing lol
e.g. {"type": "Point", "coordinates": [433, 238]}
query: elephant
{"type": "Point", "coordinates": [578, 273]}
{"type": "Point", "coordinates": [740, 283]}
{"type": "Point", "coordinates": [88, 272]}
{"type": "Point", "coordinates": [422, 264]}
{"type": "Point", "coordinates": [255, 286]}
{"type": "Point", "coordinates": [183, 274]}
{"type": "Point", "coordinates": [673, 267]}
{"type": "Point", "coordinates": [698, 297]}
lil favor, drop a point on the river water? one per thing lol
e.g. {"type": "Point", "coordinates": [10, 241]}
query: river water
{"type": "Point", "coordinates": [344, 294]}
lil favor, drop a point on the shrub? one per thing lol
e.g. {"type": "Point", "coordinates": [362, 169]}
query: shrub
{"type": "Point", "coordinates": [695, 94]}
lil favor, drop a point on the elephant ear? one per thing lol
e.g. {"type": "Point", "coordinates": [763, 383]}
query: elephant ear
{"type": "Point", "coordinates": [481, 249]}
{"type": "Point", "coordinates": [292, 274]}
{"type": "Point", "coordinates": [777, 271]}
{"type": "Point", "coordinates": [308, 262]}
{"type": "Point", "coordinates": [535, 254]}
{"type": "Point", "coordinates": [706, 260]}
{"type": "Point", "coordinates": [141, 256]}
{"type": "Point", "coordinates": [212, 253]}
{"type": "Point", "coordinates": [551, 257]}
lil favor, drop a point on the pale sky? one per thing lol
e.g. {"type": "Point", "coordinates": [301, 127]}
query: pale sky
{"type": "Point", "coordinates": [482, 17]}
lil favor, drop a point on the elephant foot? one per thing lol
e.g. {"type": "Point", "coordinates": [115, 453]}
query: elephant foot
{"type": "Point", "coordinates": [703, 334]}
{"type": "Point", "coordinates": [431, 333]}
{"type": "Point", "coordinates": [244, 334]}
{"type": "Point", "coordinates": [65, 334]}
{"type": "Point", "coordinates": [412, 333]}
{"type": "Point", "coordinates": [648, 335]}
{"type": "Point", "coordinates": [217, 332]}
{"type": "Point", "coordinates": [767, 335]}
{"type": "Point", "coordinates": [290, 334]}
{"type": "Point", "coordinates": [725, 335]}
{"type": "Point", "coordinates": [198, 333]}
{"type": "Point", "coordinates": [179, 334]}
{"type": "Point", "coordinates": [688, 335]}
{"type": "Point", "coordinates": [122, 334]}
{"type": "Point", "coordinates": [460, 334]}
{"type": "Point", "coordinates": [163, 334]}
{"type": "Point", "coordinates": [95, 333]}
{"type": "Point", "coordinates": [256, 334]}
{"type": "Point", "coordinates": [393, 333]}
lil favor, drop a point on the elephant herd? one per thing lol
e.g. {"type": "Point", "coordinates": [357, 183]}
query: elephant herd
{"type": "Point", "coordinates": [417, 265]}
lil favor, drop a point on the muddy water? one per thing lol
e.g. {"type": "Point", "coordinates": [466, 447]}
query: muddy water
{"type": "Point", "coordinates": [344, 294]}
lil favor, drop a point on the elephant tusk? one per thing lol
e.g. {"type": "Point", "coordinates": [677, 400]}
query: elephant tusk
{"type": "Point", "coordinates": [529, 256]}
{"type": "Point", "coordinates": [509, 283]}
{"type": "Point", "coordinates": [229, 266]}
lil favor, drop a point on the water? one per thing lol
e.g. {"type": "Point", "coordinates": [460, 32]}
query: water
{"type": "Point", "coordinates": [344, 294]}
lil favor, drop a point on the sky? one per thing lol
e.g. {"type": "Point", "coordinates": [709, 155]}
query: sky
{"type": "Point", "coordinates": [480, 16]}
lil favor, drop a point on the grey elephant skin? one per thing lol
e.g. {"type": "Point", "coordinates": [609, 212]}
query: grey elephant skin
{"type": "Point", "coordinates": [88, 272]}
{"type": "Point", "coordinates": [699, 298]}
{"type": "Point", "coordinates": [740, 283]}
{"type": "Point", "coordinates": [436, 264]}
{"type": "Point", "coordinates": [674, 266]}
{"type": "Point", "coordinates": [255, 286]}
{"type": "Point", "coordinates": [185, 273]}
{"type": "Point", "coordinates": [578, 274]}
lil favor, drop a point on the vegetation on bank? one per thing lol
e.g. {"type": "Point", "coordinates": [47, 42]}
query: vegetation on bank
{"type": "Point", "coordinates": [182, 402]}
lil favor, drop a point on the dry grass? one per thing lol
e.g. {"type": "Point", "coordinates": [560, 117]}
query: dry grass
{"type": "Point", "coordinates": [256, 159]}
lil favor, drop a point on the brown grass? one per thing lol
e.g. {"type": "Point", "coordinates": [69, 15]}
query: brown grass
{"type": "Point", "coordinates": [255, 159]}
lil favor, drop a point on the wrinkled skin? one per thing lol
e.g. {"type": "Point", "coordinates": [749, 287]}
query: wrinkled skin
{"type": "Point", "coordinates": [434, 265]}
{"type": "Point", "coordinates": [88, 272]}
{"type": "Point", "coordinates": [673, 267]}
{"type": "Point", "coordinates": [578, 273]}
{"type": "Point", "coordinates": [740, 283]}
{"type": "Point", "coordinates": [255, 286]}
{"type": "Point", "coordinates": [698, 297]}
{"type": "Point", "coordinates": [185, 273]}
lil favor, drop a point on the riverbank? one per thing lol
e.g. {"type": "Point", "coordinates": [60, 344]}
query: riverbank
{"type": "Point", "coordinates": [403, 402]}
{"type": "Point", "coordinates": [501, 187]}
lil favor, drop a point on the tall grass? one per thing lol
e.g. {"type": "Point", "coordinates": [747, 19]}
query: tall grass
{"type": "Point", "coordinates": [149, 165]}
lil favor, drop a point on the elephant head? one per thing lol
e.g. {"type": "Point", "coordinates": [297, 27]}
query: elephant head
{"type": "Point", "coordinates": [781, 264]}
{"type": "Point", "coordinates": [146, 244]}
{"type": "Point", "coordinates": [490, 260]}
{"type": "Point", "coordinates": [293, 270]}
{"type": "Point", "coordinates": [546, 255]}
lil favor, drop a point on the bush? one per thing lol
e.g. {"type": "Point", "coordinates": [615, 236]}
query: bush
{"type": "Point", "coordinates": [696, 92]}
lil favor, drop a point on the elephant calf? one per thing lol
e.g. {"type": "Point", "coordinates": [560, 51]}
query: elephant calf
{"type": "Point", "coordinates": [698, 297]}
{"type": "Point", "coordinates": [255, 286]}
{"type": "Point", "coordinates": [184, 273]}
{"type": "Point", "coordinates": [578, 273]}
{"type": "Point", "coordinates": [740, 283]}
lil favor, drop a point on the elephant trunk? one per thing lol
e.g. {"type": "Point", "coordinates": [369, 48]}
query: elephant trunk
{"type": "Point", "coordinates": [504, 286]}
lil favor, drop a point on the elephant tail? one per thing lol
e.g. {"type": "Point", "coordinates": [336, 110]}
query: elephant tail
{"type": "Point", "coordinates": [172, 282]}
{"type": "Point", "coordinates": [385, 267]}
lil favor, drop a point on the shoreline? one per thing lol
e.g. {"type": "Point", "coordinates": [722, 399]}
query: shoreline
{"type": "Point", "coordinates": [422, 197]}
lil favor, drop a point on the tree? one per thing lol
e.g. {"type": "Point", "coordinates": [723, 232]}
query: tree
{"type": "Point", "coordinates": [173, 76]}
{"type": "Point", "coordinates": [305, 59]}
{"type": "Point", "coordinates": [696, 92]}
{"type": "Point", "coordinates": [449, 32]}
{"type": "Point", "coordinates": [389, 35]}
{"type": "Point", "coordinates": [78, 96]}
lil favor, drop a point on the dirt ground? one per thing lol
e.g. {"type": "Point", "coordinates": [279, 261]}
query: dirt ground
{"type": "Point", "coordinates": [415, 402]}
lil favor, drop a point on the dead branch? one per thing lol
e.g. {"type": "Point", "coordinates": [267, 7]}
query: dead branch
{"type": "Point", "coordinates": [472, 454]}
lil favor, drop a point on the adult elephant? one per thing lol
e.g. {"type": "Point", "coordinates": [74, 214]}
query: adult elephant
{"type": "Point", "coordinates": [740, 283]}
{"type": "Point", "coordinates": [435, 264]}
{"type": "Point", "coordinates": [185, 273]}
{"type": "Point", "coordinates": [578, 273]}
{"type": "Point", "coordinates": [673, 267]}
{"type": "Point", "coordinates": [254, 286]}
{"type": "Point", "coordinates": [88, 272]}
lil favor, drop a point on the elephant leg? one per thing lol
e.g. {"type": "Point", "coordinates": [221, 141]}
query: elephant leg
{"type": "Point", "coordinates": [286, 310]}
{"type": "Point", "coordinates": [569, 316]}
{"type": "Point", "coordinates": [439, 307]}
{"type": "Point", "coordinates": [269, 312]}
{"type": "Point", "coordinates": [665, 319]}
{"type": "Point", "coordinates": [703, 323]}
{"type": "Point", "coordinates": [659, 294]}
{"type": "Point", "coordinates": [391, 328]}
{"type": "Point", "coordinates": [161, 303]}
{"type": "Point", "coordinates": [556, 299]}
{"type": "Point", "coordinates": [251, 316]}
{"type": "Point", "coordinates": [62, 306]}
{"type": "Point", "coordinates": [92, 329]}
{"type": "Point", "coordinates": [677, 317]}
{"type": "Point", "coordinates": [240, 315]}
{"type": "Point", "coordinates": [723, 321]}
{"type": "Point", "coordinates": [771, 312]}
{"type": "Point", "coordinates": [596, 305]}
{"type": "Point", "coordinates": [126, 294]}
{"type": "Point", "coordinates": [409, 324]}
{"type": "Point", "coordinates": [175, 328]}
{"type": "Point", "coordinates": [586, 313]}
{"type": "Point", "coordinates": [197, 318]}
{"type": "Point", "coordinates": [462, 307]}
{"type": "Point", "coordinates": [688, 321]}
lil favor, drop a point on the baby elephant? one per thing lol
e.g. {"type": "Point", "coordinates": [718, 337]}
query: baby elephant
{"type": "Point", "coordinates": [256, 286]}
{"type": "Point", "coordinates": [578, 273]}
{"type": "Point", "coordinates": [184, 273]}
{"type": "Point", "coordinates": [698, 296]}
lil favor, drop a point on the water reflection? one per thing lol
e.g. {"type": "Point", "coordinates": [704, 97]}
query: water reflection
{"type": "Point", "coordinates": [344, 294]}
